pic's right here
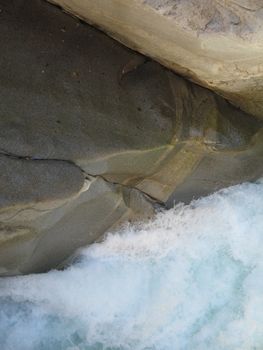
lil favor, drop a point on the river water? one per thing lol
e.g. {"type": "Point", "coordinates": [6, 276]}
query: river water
{"type": "Point", "coordinates": [192, 278]}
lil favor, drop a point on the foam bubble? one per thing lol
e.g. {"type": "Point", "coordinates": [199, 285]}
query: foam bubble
{"type": "Point", "coordinates": [192, 278]}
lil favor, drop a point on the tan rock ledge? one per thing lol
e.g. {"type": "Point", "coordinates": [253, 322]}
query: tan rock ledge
{"type": "Point", "coordinates": [218, 44]}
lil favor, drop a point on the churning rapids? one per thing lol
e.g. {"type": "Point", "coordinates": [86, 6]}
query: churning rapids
{"type": "Point", "coordinates": [192, 278]}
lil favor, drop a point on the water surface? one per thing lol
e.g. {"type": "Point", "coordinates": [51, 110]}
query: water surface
{"type": "Point", "coordinates": [192, 278]}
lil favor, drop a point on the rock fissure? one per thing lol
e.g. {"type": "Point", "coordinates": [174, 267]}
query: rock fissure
{"type": "Point", "coordinates": [87, 175]}
{"type": "Point", "coordinates": [147, 195]}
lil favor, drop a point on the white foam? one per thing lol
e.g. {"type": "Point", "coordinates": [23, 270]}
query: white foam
{"type": "Point", "coordinates": [190, 279]}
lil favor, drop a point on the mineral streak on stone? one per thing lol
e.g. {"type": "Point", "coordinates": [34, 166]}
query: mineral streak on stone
{"type": "Point", "coordinates": [82, 151]}
{"type": "Point", "coordinates": [218, 44]}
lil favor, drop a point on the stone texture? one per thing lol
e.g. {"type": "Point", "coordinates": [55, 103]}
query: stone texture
{"type": "Point", "coordinates": [218, 44]}
{"type": "Point", "coordinates": [28, 183]}
{"type": "Point", "coordinates": [35, 242]}
{"type": "Point", "coordinates": [93, 134]}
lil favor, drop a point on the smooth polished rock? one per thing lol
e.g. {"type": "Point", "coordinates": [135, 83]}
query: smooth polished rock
{"type": "Point", "coordinates": [93, 135]}
{"type": "Point", "coordinates": [34, 240]}
{"type": "Point", "coordinates": [218, 44]}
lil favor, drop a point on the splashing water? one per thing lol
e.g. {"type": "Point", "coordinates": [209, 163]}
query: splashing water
{"type": "Point", "coordinates": [192, 278]}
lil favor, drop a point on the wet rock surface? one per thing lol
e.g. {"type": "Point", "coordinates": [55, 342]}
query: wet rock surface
{"type": "Point", "coordinates": [93, 134]}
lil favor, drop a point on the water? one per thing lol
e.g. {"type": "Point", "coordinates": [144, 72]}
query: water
{"type": "Point", "coordinates": [190, 279]}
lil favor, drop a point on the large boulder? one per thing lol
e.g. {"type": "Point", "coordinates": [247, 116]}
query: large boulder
{"type": "Point", "coordinates": [93, 134]}
{"type": "Point", "coordinates": [218, 44]}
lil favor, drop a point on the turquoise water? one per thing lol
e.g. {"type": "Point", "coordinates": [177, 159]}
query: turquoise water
{"type": "Point", "coordinates": [192, 278]}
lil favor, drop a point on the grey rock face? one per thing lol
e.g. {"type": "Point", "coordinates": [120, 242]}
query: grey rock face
{"type": "Point", "coordinates": [218, 44]}
{"type": "Point", "coordinates": [93, 134]}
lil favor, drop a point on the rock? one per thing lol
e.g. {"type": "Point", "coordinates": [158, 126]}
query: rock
{"type": "Point", "coordinates": [218, 44]}
{"type": "Point", "coordinates": [34, 240]}
{"type": "Point", "coordinates": [93, 134]}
